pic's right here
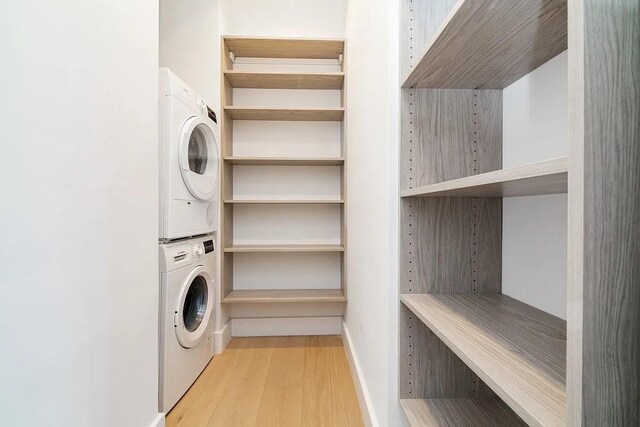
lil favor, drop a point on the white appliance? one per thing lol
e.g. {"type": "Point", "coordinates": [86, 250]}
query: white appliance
{"type": "Point", "coordinates": [187, 299]}
{"type": "Point", "coordinates": [188, 162]}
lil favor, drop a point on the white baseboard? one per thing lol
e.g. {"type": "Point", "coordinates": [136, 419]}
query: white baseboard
{"type": "Point", "coordinates": [366, 407]}
{"type": "Point", "coordinates": [286, 326]}
{"type": "Point", "coordinates": [221, 338]}
{"type": "Point", "coordinates": [159, 421]}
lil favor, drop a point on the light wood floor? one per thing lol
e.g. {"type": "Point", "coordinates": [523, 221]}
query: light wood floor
{"type": "Point", "coordinates": [273, 381]}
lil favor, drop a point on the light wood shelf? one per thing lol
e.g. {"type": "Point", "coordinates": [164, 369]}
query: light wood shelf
{"type": "Point", "coordinates": [285, 114]}
{"type": "Point", "coordinates": [517, 350]}
{"type": "Point", "coordinates": [285, 296]}
{"type": "Point", "coordinates": [491, 44]}
{"type": "Point", "coordinates": [274, 80]}
{"type": "Point", "coordinates": [285, 161]}
{"type": "Point", "coordinates": [284, 247]}
{"type": "Point", "coordinates": [547, 177]}
{"type": "Point", "coordinates": [300, 48]}
{"type": "Point", "coordinates": [283, 201]}
{"type": "Point", "coordinates": [459, 412]}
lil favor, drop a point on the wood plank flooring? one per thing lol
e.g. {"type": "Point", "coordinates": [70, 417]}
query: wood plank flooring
{"type": "Point", "coordinates": [273, 381]}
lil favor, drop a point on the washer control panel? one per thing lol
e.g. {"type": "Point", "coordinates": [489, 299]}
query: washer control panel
{"type": "Point", "coordinates": [177, 254]}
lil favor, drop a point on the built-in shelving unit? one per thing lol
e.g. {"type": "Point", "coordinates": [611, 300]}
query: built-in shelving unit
{"type": "Point", "coordinates": [291, 64]}
{"type": "Point", "coordinates": [285, 114]}
{"type": "Point", "coordinates": [274, 80]}
{"type": "Point", "coordinates": [548, 177]}
{"type": "Point", "coordinates": [470, 355]}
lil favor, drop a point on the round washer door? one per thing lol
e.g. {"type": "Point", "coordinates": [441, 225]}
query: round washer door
{"type": "Point", "coordinates": [198, 158]}
{"type": "Point", "coordinates": [193, 311]}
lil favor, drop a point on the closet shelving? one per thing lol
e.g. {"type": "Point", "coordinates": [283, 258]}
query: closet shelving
{"type": "Point", "coordinates": [517, 350]}
{"type": "Point", "coordinates": [283, 296]}
{"type": "Point", "coordinates": [287, 114]}
{"type": "Point", "coordinates": [330, 51]}
{"type": "Point", "coordinates": [547, 177]}
{"type": "Point", "coordinates": [470, 355]}
{"type": "Point", "coordinates": [488, 45]}
{"type": "Point", "coordinates": [275, 80]}
{"type": "Point", "coordinates": [286, 161]}
{"type": "Point", "coordinates": [283, 201]}
{"type": "Point", "coordinates": [284, 248]}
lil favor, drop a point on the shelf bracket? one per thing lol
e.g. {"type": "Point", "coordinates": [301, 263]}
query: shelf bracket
{"type": "Point", "coordinates": [232, 57]}
{"type": "Point", "coordinates": [340, 59]}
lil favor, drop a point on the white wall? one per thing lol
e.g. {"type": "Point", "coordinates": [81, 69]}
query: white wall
{"type": "Point", "coordinates": [534, 239]}
{"type": "Point", "coordinates": [79, 279]}
{"type": "Point", "coordinates": [283, 18]}
{"type": "Point", "coordinates": [372, 147]}
{"type": "Point", "coordinates": [190, 45]}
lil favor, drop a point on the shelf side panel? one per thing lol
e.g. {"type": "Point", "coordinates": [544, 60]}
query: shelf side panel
{"type": "Point", "coordinates": [604, 213]}
{"type": "Point", "coordinates": [420, 20]}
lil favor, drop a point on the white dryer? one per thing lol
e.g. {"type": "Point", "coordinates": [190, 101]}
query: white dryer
{"type": "Point", "coordinates": [187, 299]}
{"type": "Point", "coordinates": [189, 162]}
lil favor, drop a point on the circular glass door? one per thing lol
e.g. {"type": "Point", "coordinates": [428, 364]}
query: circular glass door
{"type": "Point", "coordinates": [199, 158]}
{"type": "Point", "coordinates": [193, 311]}
{"type": "Point", "coordinates": [195, 304]}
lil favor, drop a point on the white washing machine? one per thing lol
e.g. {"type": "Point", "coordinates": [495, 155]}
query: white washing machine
{"type": "Point", "coordinates": [187, 299]}
{"type": "Point", "coordinates": [189, 161]}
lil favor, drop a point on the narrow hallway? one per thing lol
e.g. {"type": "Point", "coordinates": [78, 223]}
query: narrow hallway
{"type": "Point", "coordinates": [273, 381]}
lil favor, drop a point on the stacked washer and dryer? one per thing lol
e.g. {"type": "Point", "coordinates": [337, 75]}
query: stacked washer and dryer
{"type": "Point", "coordinates": [188, 218]}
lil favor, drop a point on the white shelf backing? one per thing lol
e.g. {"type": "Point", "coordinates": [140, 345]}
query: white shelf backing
{"type": "Point", "coordinates": [286, 139]}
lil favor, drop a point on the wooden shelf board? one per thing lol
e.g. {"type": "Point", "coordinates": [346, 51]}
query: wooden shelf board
{"type": "Point", "coordinates": [285, 161]}
{"type": "Point", "coordinates": [274, 80]}
{"type": "Point", "coordinates": [275, 296]}
{"type": "Point", "coordinates": [547, 177]}
{"type": "Point", "coordinates": [284, 201]}
{"type": "Point", "coordinates": [517, 350]}
{"type": "Point", "coordinates": [285, 248]}
{"type": "Point", "coordinates": [285, 114]}
{"type": "Point", "coordinates": [459, 412]}
{"type": "Point", "coordinates": [491, 44]}
{"type": "Point", "coordinates": [264, 47]}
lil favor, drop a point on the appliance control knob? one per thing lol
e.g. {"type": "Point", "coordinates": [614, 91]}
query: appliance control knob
{"type": "Point", "coordinates": [203, 106]}
{"type": "Point", "coordinates": [198, 250]}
